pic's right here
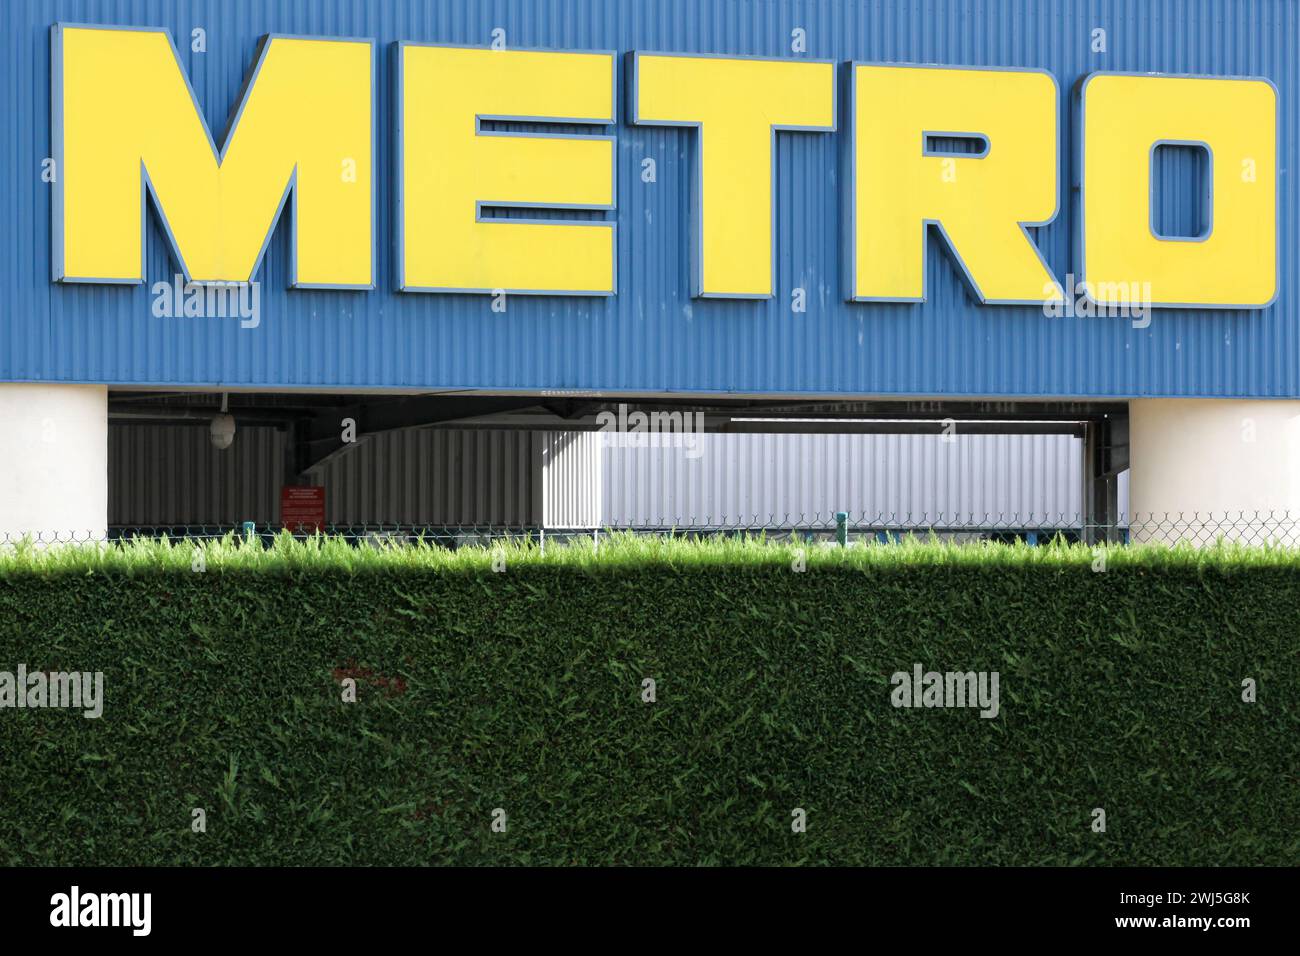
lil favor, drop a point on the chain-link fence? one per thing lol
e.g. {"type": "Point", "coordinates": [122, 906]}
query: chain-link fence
{"type": "Point", "coordinates": [1271, 529]}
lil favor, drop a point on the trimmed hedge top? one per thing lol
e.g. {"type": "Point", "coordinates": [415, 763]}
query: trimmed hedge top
{"type": "Point", "coordinates": [616, 551]}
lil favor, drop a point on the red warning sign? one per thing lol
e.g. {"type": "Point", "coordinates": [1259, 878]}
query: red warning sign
{"type": "Point", "coordinates": [302, 508]}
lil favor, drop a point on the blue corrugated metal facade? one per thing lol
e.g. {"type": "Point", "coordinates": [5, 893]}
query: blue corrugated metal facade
{"type": "Point", "coordinates": [652, 336]}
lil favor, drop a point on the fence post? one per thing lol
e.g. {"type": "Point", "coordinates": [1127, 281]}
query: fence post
{"type": "Point", "coordinates": [842, 528]}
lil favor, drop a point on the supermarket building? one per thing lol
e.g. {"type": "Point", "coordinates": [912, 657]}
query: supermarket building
{"type": "Point", "coordinates": [500, 225]}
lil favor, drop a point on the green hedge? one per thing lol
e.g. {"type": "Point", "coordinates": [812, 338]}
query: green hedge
{"type": "Point", "coordinates": [522, 690]}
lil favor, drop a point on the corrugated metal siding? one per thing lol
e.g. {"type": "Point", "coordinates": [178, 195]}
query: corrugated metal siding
{"type": "Point", "coordinates": [778, 480]}
{"type": "Point", "coordinates": [431, 476]}
{"type": "Point", "coordinates": [164, 475]}
{"type": "Point", "coordinates": [572, 489]}
{"type": "Point", "coordinates": [652, 336]}
{"type": "Point", "coordinates": [172, 475]}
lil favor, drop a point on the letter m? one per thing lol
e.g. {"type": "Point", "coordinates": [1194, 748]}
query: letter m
{"type": "Point", "coordinates": [125, 121]}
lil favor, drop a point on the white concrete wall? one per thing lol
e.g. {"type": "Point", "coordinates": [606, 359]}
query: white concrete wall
{"type": "Point", "coordinates": [53, 461]}
{"type": "Point", "coordinates": [1197, 463]}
